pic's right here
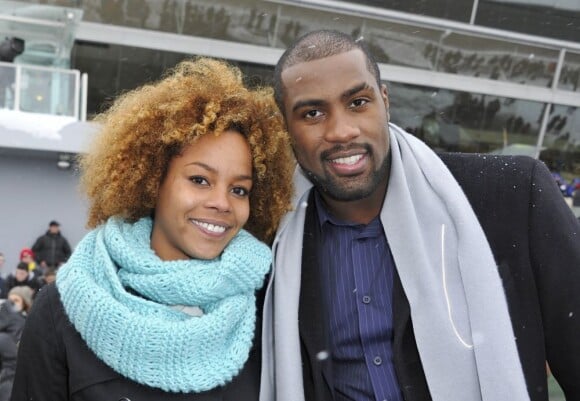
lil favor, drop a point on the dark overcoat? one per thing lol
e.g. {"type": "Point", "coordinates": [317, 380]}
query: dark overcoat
{"type": "Point", "coordinates": [55, 364]}
{"type": "Point", "coordinates": [535, 240]}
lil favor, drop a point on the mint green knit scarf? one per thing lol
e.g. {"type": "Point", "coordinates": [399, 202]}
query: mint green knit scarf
{"type": "Point", "coordinates": [143, 337]}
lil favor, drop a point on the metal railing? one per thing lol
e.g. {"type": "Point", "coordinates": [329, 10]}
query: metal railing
{"type": "Point", "coordinates": [43, 90]}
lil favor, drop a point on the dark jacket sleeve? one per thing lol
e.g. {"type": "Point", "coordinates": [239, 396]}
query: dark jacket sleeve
{"type": "Point", "coordinates": [66, 249]}
{"type": "Point", "coordinates": [555, 254]}
{"type": "Point", "coordinates": [41, 371]}
{"type": "Point", "coordinates": [38, 249]}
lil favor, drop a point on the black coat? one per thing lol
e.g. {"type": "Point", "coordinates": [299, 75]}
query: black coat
{"type": "Point", "coordinates": [11, 324]}
{"type": "Point", "coordinates": [535, 240]}
{"type": "Point", "coordinates": [54, 364]}
{"type": "Point", "coordinates": [51, 248]}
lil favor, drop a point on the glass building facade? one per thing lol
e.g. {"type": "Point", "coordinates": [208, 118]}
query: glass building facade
{"type": "Point", "coordinates": [492, 76]}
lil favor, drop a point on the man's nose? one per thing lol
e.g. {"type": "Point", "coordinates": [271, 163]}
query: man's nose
{"type": "Point", "coordinates": [341, 128]}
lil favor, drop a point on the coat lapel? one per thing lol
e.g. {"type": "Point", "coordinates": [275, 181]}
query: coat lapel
{"type": "Point", "coordinates": [313, 320]}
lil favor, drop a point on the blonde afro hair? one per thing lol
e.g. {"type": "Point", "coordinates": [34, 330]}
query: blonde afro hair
{"type": "Point", "coordinates": [147, 127]}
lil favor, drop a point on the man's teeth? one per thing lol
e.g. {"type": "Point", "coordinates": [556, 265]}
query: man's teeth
{"type": "Point", "coordinates": [210, 227]}
{"type": "Point", "coordinates": [348, 160]}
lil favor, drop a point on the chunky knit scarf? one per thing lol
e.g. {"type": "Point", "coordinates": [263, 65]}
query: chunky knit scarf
{"type": "Point", "coordinates": [458, 306]}
{"type": "Point", "coordinates": [143, 337]}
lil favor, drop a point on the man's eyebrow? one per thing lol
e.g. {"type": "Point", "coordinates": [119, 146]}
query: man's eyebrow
{"type": "Point", "coordinates": [355, 89]}
{"type": "Point", "coordinates": [307, 102]}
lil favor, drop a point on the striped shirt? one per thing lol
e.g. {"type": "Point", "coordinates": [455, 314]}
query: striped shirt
{"type": "Point", "coordinates": [357, 264]}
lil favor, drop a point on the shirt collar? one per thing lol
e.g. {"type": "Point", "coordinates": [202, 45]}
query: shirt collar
{"type": "Point", "coordinates": [371, 230]}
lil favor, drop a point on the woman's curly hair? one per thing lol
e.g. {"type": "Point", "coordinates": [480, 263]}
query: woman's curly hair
{"type": "Point", "coordinates": [145, 128]}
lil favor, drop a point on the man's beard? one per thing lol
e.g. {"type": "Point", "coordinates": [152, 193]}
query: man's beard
{"type": "Point", "coordinates": [339, 190]}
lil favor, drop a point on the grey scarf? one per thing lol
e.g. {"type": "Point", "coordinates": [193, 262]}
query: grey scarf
{"type": "Point", "coordinates": [458, 306]}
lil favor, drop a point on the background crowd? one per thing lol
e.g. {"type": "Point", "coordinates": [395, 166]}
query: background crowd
{"type": "Point", "coordinates": [37, 267]}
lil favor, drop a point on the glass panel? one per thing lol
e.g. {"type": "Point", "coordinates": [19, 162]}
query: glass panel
{"type": "Point", "coordinates": [496, 59]}
{"type": "Point", "coordinates": [7, 84]}
{"type": "Point", "coordinates": [48, 31]}
{"type": "Point", "coordinates": [570, 76]}
{"type": "Point", "coordinates": [114, 69]}
{"type": "Point", "coordinates": [466, 122]}
{"type": "Point", "coordinates": [296, 21]}
{"type": "Point", "coordinates": [550, 18]}
{"type": "Point", "coordinates": [561, 147]}
{"type": "Point", "coordinates": [458, 10]}
{"type": "Point", "coordinates": [399, 44]}
{"type": "Point", "coordinates": [47, 91]}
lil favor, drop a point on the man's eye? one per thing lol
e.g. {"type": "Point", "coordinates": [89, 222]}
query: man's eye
{"type": "Point", "coordinates": [359, 102]}
{"type": "Point", "coordinates": [240, 191]}
{"type": "Point", "coordinates": [196, 179]}
{"type": "Point", "coordinates": [312, 114]}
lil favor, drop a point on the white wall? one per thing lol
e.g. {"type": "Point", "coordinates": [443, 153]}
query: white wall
{"type": "Point", "coordinates": [33, 191]}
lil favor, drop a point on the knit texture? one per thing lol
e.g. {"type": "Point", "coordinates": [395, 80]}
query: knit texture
{"type": "Point", "coordinates": [142, 337]}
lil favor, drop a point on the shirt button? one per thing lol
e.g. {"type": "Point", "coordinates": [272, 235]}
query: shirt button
{"type": "Point", "coordinates": [366, 299]}
{"type": "Point", "coordinates": [377, 360]}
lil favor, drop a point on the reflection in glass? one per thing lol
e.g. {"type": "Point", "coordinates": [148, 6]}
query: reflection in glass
{"type": "Point", "coordinates": [246, 21]}
{"type": "Point", "coordinates": [115, 69]}
{"type": "Point", "coordinates": [550, 18]}
{"type": "Point", "coordinates": [466, 122]}
{"type": "Point", "coordinates": [458, 10]}
{"type": "Point", "coordinates": [495, 59]}
{"type": "Point", "coordinates": [399, 44]}
{"type": "Point", "coordinates": [570, 75]}
{"type": "Point", "coordinates": [561, 147]}
{"type": "Point", "coordinates": [296, 21]}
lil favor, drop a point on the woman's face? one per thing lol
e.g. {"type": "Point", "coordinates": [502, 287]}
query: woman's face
{"type": "Point", "coordinates": [204, 199]}
{"type": "Point", "coordinates": [17, 301]}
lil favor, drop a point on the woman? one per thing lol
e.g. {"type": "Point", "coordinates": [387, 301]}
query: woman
{"type": "Point", "coordinates": [21, 297]}
{"type": "Point", "coordinates": [158, 301]}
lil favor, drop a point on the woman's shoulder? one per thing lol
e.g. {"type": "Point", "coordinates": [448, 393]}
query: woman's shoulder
{"type": "Point", "coordinates": [46, 306]}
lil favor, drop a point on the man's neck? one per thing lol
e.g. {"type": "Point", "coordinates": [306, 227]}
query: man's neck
{"type": "Point", "coordinates": [360, 211]}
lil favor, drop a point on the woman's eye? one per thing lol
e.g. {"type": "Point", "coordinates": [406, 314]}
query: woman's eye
{"type": "Point", "coordinates": [198, 180]}
{"type": "Point", "coordinates": [312, 114]}
{"type": "Point", "coordinates": [239, 191]}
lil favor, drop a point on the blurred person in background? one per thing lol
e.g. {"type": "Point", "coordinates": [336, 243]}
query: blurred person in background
{"type": "Point", "coordinates": [22, 277]}
{"type": "Point", "coordinates": [11, 324]}
{"type": "Point", "coordinates": [27, 256]}
{"type": "Point", "coordinates": [21, 298]}
{"type": "Point", "coordinates": [52, 248]}
{"type": "Point", "coordinates": [3, 288]}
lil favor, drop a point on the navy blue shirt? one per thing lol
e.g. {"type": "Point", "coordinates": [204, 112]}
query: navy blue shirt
{"type": "Point", "coordinates": [357, 264]}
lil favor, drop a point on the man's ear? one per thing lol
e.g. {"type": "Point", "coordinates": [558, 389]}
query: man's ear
{"type": "Point", "coordinates": [385, 96]}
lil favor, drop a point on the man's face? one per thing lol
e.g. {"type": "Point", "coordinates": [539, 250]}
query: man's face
{"type": "Point", "coordinates": [54, 229]}
{"type": "Point", "coordinates": [337, 117]}
{"type": "Point", "coordinates": [21, 275]}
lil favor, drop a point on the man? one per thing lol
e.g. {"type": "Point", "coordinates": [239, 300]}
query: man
{"type": "Point", "coordinates": [385, 280]}
{"type": "Point", "coordinates": [51, 249]}
{"type": "Point", "coordinates": [22, 277]}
